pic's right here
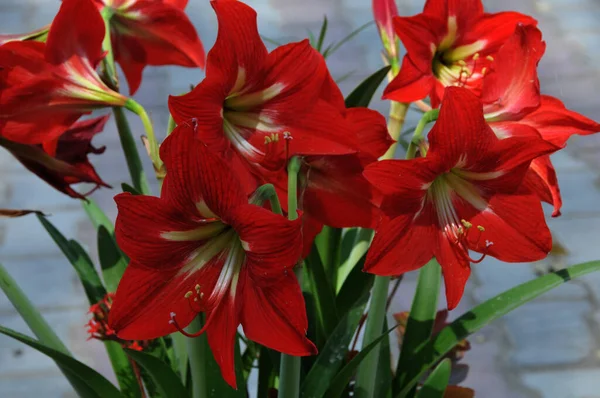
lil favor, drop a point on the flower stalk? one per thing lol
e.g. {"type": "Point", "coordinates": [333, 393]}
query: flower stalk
{"type": "Point", "coordinates": [197, 349]}
{"type": "Point", "coordinates": [289, 371]}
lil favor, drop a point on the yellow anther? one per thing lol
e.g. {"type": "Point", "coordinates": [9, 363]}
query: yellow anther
{"type": "Point", "coordinates": [197, 287]}
{"type": "Point", "coordinates": [201, 294]}
{"type": "Point", "coordinates": [267, 140]}
{"type": "Point", "coordinates": [479, 227]}
{"type": "Point", "coordinates": [275, 137]}
{"type": "Point", "coordinates": [476, 57]}
{"type": "Point", "coordinates": [188, 294]}
{"type": "Point", "coordinates": [462, 63]}
{"type": "Point", "coordinates": [461, 230]}
{"type": "Point", "coordinates": [483, 71]}
{"type": "Point", "coordinates": [466, 224]}
{"type": "Point", "coordinates": [489, 58]}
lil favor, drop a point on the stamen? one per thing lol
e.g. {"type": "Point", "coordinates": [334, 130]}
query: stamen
{"type": "Point", "coordinates": [476, 57]}
{"type": "Point", "coordinates": [173, 322]}
{"type": "Point", "coordinates": [490, 58]}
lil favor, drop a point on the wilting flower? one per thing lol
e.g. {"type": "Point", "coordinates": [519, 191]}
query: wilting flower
{"type": "Point", "coordinates": [201, 247]}
{"type": "Point", "coordinates": [47, 87]}
{"type": "Point", "coordinates": [451, 43]}
{"type": "Point", "coordinates": [40, 34]}
{"type": "Point", "coordinates": [97, 326]}
{"type": "Point", "coordinates": [151, 32]}
{"type": "Point", "coordinates": [513, 106]}
{"type": "Point", "coordinates": [464, 195]}
{"type": "Point", "coordinates": [67, 163]}
{"type": "Point", "coordinates": [261, 107]}
{"type": "Point", "coordinates": [384, 11]}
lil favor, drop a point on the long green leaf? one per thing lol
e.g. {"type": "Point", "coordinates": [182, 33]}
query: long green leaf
{"type": "Point", "coordinates": [181, 355]}
{"type": "Point", "coordinates": [97, 215]}
{"type": "Point", "coordinates": [334, 352]}
{"type": "Point", "coordinates": [342, 379]}
{"type": "Point", "coordinates": [436, 383]}
{"type": "Point", "coordinates": [86, 375]}
{"type": "Point", "coordinates": [168, 383]}
{"type": "Point", "coordinates": [322, 34]}
{"type": "Point", "coordinates": [488, 311]}
{"type": "Point", "coordinates": [80, 261]}
{"type": "Point", "coordinates": [384, 376]}
{"type": "Point", "coordinates": [266, 374]}
{"type": "Point", "coordinates": [420, 321]}
{"type": "Point", "coordinates": [364, 92]}
{"type": "Point", "coordinates": [334, 47]}
{"type": "Point", "coordinates": [329, 243]}
{"type": "Point", "coordinates": [356, 284]}
{"type": "Point", "coordinates": [112, 261]}
{"type": "Point", "coordinates": [322, 293]}
{"type": "Point", "coordinates": [123, 370]}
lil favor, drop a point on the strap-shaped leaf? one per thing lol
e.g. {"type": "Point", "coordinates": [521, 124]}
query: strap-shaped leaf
{"type": "Point", "coordinates": [112, 261]}
{"type": "Point", "coordinates": [342, 379]}
{"type": "Point", "coordinates": [97, 385]}
{"type": "Point", "coordinates": [488, 311]}
{"type": "Point", "coordinates": [436, 383]}
{"type": "Point", "coordinates": [97, 215]}
{"type": "Point", "coordinates": [334, 352]}
{"type": "Point", "coordinates": [362, 95]}
{"type": "Point", "coordinates": [167, 382]}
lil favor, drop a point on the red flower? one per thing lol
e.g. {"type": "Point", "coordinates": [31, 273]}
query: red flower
{"type": "Point", "coordinates": [47, 87]}
{"type": "Point", "coordinates": [257, 106]}
{"type": "Point", "coordinates": [513, 106]}
{"type": "Point", "coordinates": [67, 163]}
{"type": "Point", "coordinates": [384, 11]}
{"type": "Point", "coordinates": [152, 32]}
{"type": "Point", "coordinates": [451, 43]}
{"type": "Point", "coordinates": [464, 195]}
{"type": "Point", "coordinates": [201, 247]}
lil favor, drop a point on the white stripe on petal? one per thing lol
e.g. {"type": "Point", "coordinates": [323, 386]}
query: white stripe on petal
{"type": "Point", "coordinates": [201, 233]}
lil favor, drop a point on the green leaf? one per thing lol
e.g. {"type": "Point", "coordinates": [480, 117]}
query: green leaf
{"type": "Point", "coordinates": [342, 379]}
{"type": "Point", "coordinates": [266, 374]}
{"type": "Point", "coordinates": [324, 298]}
{"type": "Point", "coordinates": [334, 47]}
{"type": "Point", "coordinates": [248, 357]}
{"type": "Point", "coordinates": [181, 355]}
{"type": "Point", "coordinates": [328, 243]}
{"type": "Point", "coordinates": [420, 321]}
{"type": "Point", "coordinates": [356, 284]}
{"type": "Point", "coordinates": [322, 34]}
{"type": "Point", "coordinates": [97, 216]}
{"type": "Point", "coordinates": [488, 311]}
{"type": "Point", "coordinates": [128, 188]}
{"type": "Point", "coordinates": [123, 370]}
{"type": "Point", "coordinates": [112, 261]}
{"type": "Point", "coordinates": [384, 367]}
{"type": "Point", "coordinates": [436, 383]}
{"type": "Point", "coordinates": [80, 261]}
{"type": "Point", "coordinates": [168, 383]}
{"type": "Point", "coordinates": [97, 385]}
{"type": "Point", "coordinates": [334, 353]}
{"type": "Point", "coordinates": [356, 255]}
{"type": "Point", "coordinates": [362, 95]}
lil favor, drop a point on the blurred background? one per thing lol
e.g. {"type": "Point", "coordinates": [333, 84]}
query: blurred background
{"type": "Point", "coordinates": [548, 348]}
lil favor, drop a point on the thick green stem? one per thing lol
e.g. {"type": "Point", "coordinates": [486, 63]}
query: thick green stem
{"type": "Point", "coordinates": [396, 121]}
{"type": "Point", "coordinates": [132, 156]}
{"type": "Point", "coordinates": [417, 137]}
{"type": "Point", "coordinates": [108, 63]}
{"type": "Point", "coordinates": [171, 125]}
{"type": "Point", "coordinates": [139, 110]}
{"type": "Point", "coordinates": [197, 352]}
{"type": "Point", "coordinates": [267, 192]}
{"type": "Point", "coordinates": [289, 371]}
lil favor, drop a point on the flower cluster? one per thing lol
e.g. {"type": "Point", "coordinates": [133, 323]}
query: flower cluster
{"type": "Point", "coordinates": [210, 243]}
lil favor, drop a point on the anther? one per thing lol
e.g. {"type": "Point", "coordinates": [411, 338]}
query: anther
{"type": "Point", "coordinates": [476, 57]}
{"type": "Point", "coordinates": [466, 224]}
{"type": "Point", "coordinates": [483, 71]}
{"type": "Point", "coordinates": [489, 58]}
{"type": "Point", "coordinates": [188, 294]}
{"type": "Point", "coordinates": [267, 140]}
{"type": "Point", "coordinates": [479, 227]}
{"type": "Point", "coordinates": [462, 62]}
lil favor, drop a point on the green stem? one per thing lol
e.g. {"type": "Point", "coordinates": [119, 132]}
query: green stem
{"type": "Point", "coordinates": [367, 372]}
{"type": "Point", "coordinates": [171, 125]}
{"type": "Point", "coordinates": [267, 192]}
{"type": "Point", "coordinates": [396, 121]}
{"type": "Point", "coordinates": [134, 162]}
{"type": "Point", "coordinates": [108, 63]}
{"type": "Point", "coordinates": [139, 110]}
{"type": "Point", "coordinates": [417, 137]}
{"type": "Point", "coordinates": [197, 353]}
{"type": "Point", "coordinates": [289, 371]}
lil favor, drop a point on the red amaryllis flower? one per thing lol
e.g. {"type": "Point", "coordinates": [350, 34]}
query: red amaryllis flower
{"type": "Point", "coordinates": [451, 43]}
{"type": "Point", "coordinates": [258, 106]}
{"type": "Point", "coordinates": [384, 11]}
{"type": "Point", "coordinates": [201, 247]}
{"type": "Point", "coordinates": [464, 195]}
{"type": "Point", "coordinates": [513, 106]}
{"type": "Point", "coordinates": [152, 32]}
{"type": "Point", "coordinates": [68, 164]}
{"type": "Point", "coordinates": [47, 87]}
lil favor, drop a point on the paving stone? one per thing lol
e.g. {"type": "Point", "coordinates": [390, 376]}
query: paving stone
{"type": "Point", "coordinates": [550, 333]}
{"type": "Point", "coordinates": [565, 383]}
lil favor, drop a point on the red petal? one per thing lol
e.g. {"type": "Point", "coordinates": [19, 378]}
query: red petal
{"type": "Point", "coordinates": [145, 298]}
{"type": "Point", "coordinates": [557, 124]}
{"type": "Point", "coordinates": [275, 317]}
{"type": "Point", "coordinates": [238, 44]}
{"type": "Point", "coordinates": [310, 229]}
{"type": "Point", "coordinates": [272, 243]}
{"type": "Point", "coordinates": [494, 29]}
{"type": "Point", "coordinates": [464, 10]}
{"type": "Point", "coordinates": [512, 89]}
{"type": "Point", "coordinates": [403, 182]}
{"type": "Point", "coordinates": [541, 179]}
{"type": "Point", "coordinates": [77, 31]}
{"type": "Point", "coordinates": [515, 225]}
{"type": "Point", "coordinates": [337, 193]}
{"type": "Point", "coordinates": [196, 175]}
{"type": "Point", "coordinates": [160, 34]}
{"type": "Point", "coordinates": [402, 244]}
{"type": "Point", "coordinates": [222, 329]}
{"type": "Point", "coordinates": [373, 138]}
{"type": "Point", "coordinates": [456, 270]}
{"type": "Point", "coordinates": [139, 227]}
{"type": "Point", "coordinates": [420, 35]}
{"type": "Point", "coordinates": [411, 84]}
